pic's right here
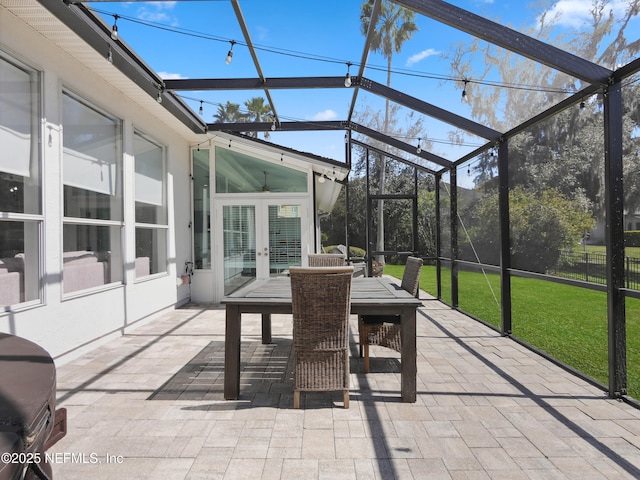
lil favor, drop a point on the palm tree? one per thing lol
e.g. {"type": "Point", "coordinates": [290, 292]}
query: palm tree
{"type": "Point", "coordinates": [395, 25]}
{"type": "Point", "coordinates": [258, 112]}
{"type": "Point", "coordinates": [229, 112]}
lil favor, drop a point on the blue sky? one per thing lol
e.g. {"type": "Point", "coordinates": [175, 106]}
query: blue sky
{"type": "Point", "coordinates": [191, 40]}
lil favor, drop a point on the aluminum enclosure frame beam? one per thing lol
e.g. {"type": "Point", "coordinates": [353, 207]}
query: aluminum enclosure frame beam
{"type": "Point", "coordinates": [431, 110]}
{"type": "Point", "coordinates": [396, 96]}
{"type": "Point", "coordinates": [373, 21]}
{"type": "Point", "coordinates": [393, 157]}
{"type": "Point", "coordinates": [510, 39]}
{"type": "Point", "coordinates": [329, 125]}
{"type": "Point", "coordinates": [247, 38]}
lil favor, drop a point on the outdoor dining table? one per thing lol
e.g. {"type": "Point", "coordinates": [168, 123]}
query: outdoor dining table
{"type": "Point", "coordinates": [369, 295]}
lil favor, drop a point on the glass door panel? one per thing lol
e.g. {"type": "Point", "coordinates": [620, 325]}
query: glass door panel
{"type": "Point", "coordinates": [239, 246]}
{"type": "Point", "coordinates": [285, 242]}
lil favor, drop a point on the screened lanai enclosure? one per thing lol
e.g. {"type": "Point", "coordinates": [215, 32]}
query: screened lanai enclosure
{"type": "Point", "coordinates": [522, 193]}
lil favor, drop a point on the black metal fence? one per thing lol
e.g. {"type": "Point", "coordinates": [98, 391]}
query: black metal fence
{"type": "Point", "coordinates": [591, 267]}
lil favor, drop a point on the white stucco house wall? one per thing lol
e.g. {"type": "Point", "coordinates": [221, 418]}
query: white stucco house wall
{"type": "Point", "coordinates": [115, 208]}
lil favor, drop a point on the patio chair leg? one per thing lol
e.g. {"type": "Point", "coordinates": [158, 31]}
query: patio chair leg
{"type": "Point", "coordinates": [345, 394]}
{"type": "Point", "coordinates": [296, 399]}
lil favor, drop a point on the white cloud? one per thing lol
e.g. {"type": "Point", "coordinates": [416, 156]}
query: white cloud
{"type": "Point", "coordinates": [325, 115]}
{"type": "Point", "coordinates": [573, 13]}
{"type": "Point", "coordinates": [158, 12]}
{"type": "Point", "coordinates": [170, 76]}
{"type": "Point", "coordinates": [418, 57]}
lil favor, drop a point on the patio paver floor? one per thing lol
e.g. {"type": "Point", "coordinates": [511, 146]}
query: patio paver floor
{"type": "Point", "coordinates": [150, 405]}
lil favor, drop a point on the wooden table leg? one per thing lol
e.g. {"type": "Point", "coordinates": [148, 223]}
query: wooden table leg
{"type": "Point", "coordinates": [232, 353]}
{"type": "Point", "coordinates": [408, 361]}
{"type": "Point", "coordinates": [266, 328]}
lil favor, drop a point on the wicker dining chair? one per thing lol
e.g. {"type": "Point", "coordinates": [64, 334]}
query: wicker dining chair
{"type": "Point", "coordinates": [384, 330]}
{"type": "Point", "coordinates": [321, 303]}
{"type": "Point", "coordinates": [326, 260]}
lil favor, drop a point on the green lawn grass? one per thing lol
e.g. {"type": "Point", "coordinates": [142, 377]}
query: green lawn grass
{"type": "Point", "coordinates": [568, 323]}
{"type": "Point", "coordinates": [628, 251]}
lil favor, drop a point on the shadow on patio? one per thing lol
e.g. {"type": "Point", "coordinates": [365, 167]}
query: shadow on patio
{"type": "Point", "coordinates": [487, 408]}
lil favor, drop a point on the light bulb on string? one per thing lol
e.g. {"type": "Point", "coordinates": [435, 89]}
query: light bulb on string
{"type": "Point", "coordinates": [347, 78]}
{"type": "Point", "coordinates": [159, 97]}
{"type": "Point", "coordinates": [273, 126]}
{"type": "Point", "coordinates": [230, 53]}
{"type": "Point", "coordinates": [465, 97]}
{"type": "Point", "coordinates": [419, 149]}
{"type": "Point", "coordinates": [201, 110]}
{"type": "Point", "coordinates": [114, 29]}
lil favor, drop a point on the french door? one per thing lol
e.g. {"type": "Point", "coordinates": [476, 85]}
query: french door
{"type": "Point", "coordinates": [259, 239]}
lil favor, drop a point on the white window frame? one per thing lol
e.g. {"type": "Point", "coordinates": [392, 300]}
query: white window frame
{"type": "Point", "coordinates": [116, 262]}
{"type": "Point", "coordinates": [155, 226]}
{"type": "Point", "coordinates": [31, 280]}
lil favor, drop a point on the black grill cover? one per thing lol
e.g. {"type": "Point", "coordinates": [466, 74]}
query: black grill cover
{"type": "Point", "coordinates": [27, 400]}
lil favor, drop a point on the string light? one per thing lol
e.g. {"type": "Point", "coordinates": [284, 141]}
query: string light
{"type": "Point", "coordinates": [110, 55]}
{"type": "Point", "coordinates": [201, 110]}
{"type": "Point", "coordinates": [273, 126]}
{"type": "Point", "coordinates": [159, 97]}
{"type": "Point", "coordinates": [230, 53]}
{"type": "Point", "coordinates": [465, 97]}
{"type": "Point", "coordinates": [419, 149]}
{"type": "Point", "coordinates": [114, 29]}
{"type": "Point", "coordinates": [321, 178]}
{"type": "Point", "coordinates": [347, 78]}
{"type": "Point", "coordinates": [315, 57]}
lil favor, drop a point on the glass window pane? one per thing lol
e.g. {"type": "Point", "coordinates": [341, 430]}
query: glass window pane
{"type": "Point", "coordinates": [19, 262]}
{"type": "Point", "coordinates": [92, 166]}
{"type": "Point", "coordinates": [91, 256]}
{"type": "Point", "coordinates": [19, 137]}
{"type": "Point", "coordinates": [151, 251]}
{"type": "Point", "coordinates": [239, 173]}
{"type": "Point", "coordinates": [285, 234]}
{"type": "Point", "coordinates": [239, 246]}
{"type": "Point", "coordinates": [149, 181]}
{"type": "Point", "coordinates": [201, 210]}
